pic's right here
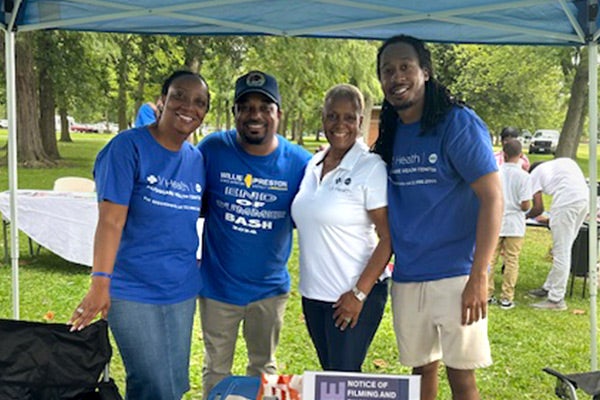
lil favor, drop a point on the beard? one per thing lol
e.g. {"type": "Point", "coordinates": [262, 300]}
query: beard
{"type": "Point", "coordinates": [252, 139]}
{"type": "Point", "coordinates": [403, 106]}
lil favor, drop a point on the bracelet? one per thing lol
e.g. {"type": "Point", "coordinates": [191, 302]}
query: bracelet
{"type": "Point", "coordinates": [102, 274]}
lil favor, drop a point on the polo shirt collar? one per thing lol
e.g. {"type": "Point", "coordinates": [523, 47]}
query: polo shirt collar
{"type": "Point", "coordinates": [351, 157]}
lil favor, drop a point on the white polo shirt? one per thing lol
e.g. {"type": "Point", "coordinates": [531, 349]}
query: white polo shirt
{"type": "Point", "coordinates": [335, 234]}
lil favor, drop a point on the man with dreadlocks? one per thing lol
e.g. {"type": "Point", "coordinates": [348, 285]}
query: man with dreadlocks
{"type": "Point", "coordinates": [445, 211]}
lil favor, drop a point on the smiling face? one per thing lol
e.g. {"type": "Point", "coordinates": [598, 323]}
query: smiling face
{"type": "Point", "coordinates": [185, 105]}
{"type": "Point", "coordinates": [256, 120]}
{"type": "Point", "coordinates": [341, 123]}
{"type": "Point", "coordinates": [403, 80]}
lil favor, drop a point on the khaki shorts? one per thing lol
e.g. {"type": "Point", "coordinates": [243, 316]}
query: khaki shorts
{"type": "Point", "coordinates": [427, 322]}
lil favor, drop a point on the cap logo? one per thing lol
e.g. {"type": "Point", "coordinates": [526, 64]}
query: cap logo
{"type": "Point", "coordinates": [255, 79]}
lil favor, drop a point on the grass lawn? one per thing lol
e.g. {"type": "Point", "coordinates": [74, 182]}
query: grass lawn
{"type": "Point", "coordinates": [523, 340]}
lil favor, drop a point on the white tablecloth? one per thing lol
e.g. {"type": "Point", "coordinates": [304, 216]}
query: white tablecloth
{"type": "Point", "coordinates": [63, 222]}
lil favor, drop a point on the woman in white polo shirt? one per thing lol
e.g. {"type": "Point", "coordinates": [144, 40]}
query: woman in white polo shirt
{"type": "Point", "coordinates": [340, 211]}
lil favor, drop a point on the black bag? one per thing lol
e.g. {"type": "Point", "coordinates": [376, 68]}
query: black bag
{"type": "Point", "coordinates": [40, 361]}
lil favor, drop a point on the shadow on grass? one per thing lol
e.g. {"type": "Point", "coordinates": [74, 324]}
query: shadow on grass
{"type": "Point", "coordinates": [49, 262]}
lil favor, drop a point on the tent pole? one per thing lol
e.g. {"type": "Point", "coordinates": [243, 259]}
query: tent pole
{"type": "Point", "coordinates": [11, 111]}
{"type": "Point", "coordinates": [593, 176]}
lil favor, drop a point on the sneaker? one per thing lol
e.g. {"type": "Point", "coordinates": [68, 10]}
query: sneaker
{"type": "Point", "coordinates": [506, 304]}
{"type": "Point", "coordinates": [539, 292]}
{"type": "Point", "coordinates": [492, 300]}
{"type": "Point", "coordinates": [550, 305]}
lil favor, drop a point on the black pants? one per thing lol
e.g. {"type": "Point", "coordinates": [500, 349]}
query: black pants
{"type": "Point", "coordinates": [344, 350]}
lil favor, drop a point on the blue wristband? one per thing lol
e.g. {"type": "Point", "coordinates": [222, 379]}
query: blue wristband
{"type": "Point", "coordinates": [100, 273]}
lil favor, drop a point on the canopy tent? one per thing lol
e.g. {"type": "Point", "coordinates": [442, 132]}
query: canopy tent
{"type": "Point", "coordinates": [535, 22]}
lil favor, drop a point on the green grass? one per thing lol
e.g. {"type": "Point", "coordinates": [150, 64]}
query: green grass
{"type": "Point", "coordinates": [523, 340]}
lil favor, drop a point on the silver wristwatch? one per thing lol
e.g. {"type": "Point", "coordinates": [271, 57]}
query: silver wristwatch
{"type": "Point", "coordinates": [359, 294]}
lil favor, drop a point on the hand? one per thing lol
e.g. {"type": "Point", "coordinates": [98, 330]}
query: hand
{"type": "Point", "coordinates": [97, 300]}
{"type": "Point", "coordinates": [474, 299]}
{"type": "Point", "coordinates": [347, 310]}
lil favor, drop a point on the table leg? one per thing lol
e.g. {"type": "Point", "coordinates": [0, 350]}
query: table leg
{"type": "Point", "coordinates": [4, 230]}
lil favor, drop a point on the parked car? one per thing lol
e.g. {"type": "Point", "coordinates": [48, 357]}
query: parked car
{"type": "Point", "coordinates": [86, 128]}
{"type": "Point", "coordinates": [544, 141]}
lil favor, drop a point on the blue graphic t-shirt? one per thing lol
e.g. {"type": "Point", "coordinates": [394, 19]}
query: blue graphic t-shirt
{"type": "Point", "coordinates": [432, 208]}
{"type": "Point", "coordinates": [156, 261]}
{"type": "Point", "coordinates": [248, 229]}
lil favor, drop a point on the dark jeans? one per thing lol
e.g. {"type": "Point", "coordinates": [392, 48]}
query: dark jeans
{"type": "Point", "coordinates": [344, 350]}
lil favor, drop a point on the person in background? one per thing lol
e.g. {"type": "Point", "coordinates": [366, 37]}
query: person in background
{"type": "Point", "coordinates": [148, 113]}
{"type": "Point", "coordinates": [145, 276]}
{"type": "Point", "coordinates": [562, 179]}
{"type": "Point", "coordinates": [516, 187]}
{"type": "Point", "coordinates": [339, 211]}
{"type": "Point", "coordinates": [253, 175]}
{"type": "Point", "coordinates": [445, 211]}
{"type": "Point", "coordinates": [511, 133]}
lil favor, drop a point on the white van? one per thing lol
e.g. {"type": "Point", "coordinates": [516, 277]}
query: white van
{"type": "Point", "coordinates": [544, 141]}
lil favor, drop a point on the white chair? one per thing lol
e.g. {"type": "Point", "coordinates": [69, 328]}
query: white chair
{"type": "Point", "coordinates": [74, 184]}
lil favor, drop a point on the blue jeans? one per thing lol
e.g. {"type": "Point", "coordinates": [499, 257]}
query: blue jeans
{"type": "Point", "coordinates": [154, 341]}
{"type": "Point", "coordinates": [344, 350]}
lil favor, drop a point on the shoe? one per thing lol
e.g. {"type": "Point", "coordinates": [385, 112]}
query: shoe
{"type": "Point", "coordinates": [506, 304]}
{"type": "Point", "coordinates": [539, 292]}
{"type": "Point", "coordinates": [492, 300]}
{"type": "Point", "coordinates": [550, 305]}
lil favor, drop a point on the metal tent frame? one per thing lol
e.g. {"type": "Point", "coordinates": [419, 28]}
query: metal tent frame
{"type": "Point", "coordinates": [535, 22]}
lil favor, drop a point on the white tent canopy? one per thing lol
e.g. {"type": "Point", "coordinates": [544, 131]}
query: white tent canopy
{"type": "Point", "coordinates": [535, 22]}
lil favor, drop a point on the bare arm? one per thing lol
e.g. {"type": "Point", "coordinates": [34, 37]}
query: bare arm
{"type": "Point", "coordinates": [474, 298]}
{"type": "Point", "coordinates": [525, 205]}
{"type": "Point", "coordinates": [111, 219]}
{"type": "Point", "coordinates": [348, 305]}
{"type": "Point", "coordinates": [538, 205]}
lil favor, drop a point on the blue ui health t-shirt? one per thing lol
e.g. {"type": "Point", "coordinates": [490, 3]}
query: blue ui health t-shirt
{"type": "Point", "coordinates": [156, 260]}
{"type": "Point", "coordinates": [432, 208]}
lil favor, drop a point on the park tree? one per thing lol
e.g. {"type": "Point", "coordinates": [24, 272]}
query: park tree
{"type": "Point", "coordinates": [224, 62]}
{"type": "Point", "coordinates": [30, 150]}
{"type": "Point", "coordinates": [575, 67]}
{"type": "Point", "coordinates": [45, 62]}
{"type": "Point", "coordinates": [509, 85]}
{"type": "Point", "coordinates": [122, 61]}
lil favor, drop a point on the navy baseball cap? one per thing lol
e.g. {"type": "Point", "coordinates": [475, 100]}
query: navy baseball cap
{"type": "Point", "coordinates": [257, 82]}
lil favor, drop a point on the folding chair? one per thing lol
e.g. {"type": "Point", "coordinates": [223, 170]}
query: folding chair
{"type": "Point", "coordinates": [74, 184]}
{"type": "Point", "coordinates": [567, 385]}
{"type": "Point", "coordinates": [40, 361]}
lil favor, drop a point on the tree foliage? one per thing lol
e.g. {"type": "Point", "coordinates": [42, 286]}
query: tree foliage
{"type": "Point", "coordinates": [99, 77]}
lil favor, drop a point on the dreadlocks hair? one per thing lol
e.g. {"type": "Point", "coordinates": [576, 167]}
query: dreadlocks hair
{"type": "Point", "coordinates": [438, 99]}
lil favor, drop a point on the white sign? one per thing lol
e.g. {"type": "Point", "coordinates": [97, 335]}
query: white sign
{"type": "Point", "coordinates": [330, 385]}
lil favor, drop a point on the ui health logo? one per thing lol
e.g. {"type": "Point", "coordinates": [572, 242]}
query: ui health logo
{"type": "Point", "coordinates": [356, 386]}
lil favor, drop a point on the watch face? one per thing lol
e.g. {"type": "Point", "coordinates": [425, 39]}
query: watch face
{"type": "Point", "coordinates": [359, 294]}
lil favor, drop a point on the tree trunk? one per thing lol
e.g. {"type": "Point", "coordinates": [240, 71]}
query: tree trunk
{"type": "Point", "coordinates": [228, 115]}
{"type": "Point", "coordinates": [142, 68]}
{"type": "Point", "coordinates": [571, 131]}
{"type": "Point", "coordinates": [122, 79]}
{"type": "Point", "coordinates": [65, 126]}
{"type": "Point", "coordinates": [30, 151]}
{"type": "Point", "coordinates": [366, 124]}
{"type": "Point", "coordinates": [47, 102]}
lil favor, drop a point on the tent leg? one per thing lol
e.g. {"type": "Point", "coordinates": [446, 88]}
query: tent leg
{"type": "Point", "coordinates": [593, 176]}
{"type": "Point", "coordinates": [11, 111]}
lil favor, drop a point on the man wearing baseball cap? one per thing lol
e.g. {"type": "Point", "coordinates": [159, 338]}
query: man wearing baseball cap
{"type": "Point", "coordinates": [253, 174]}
